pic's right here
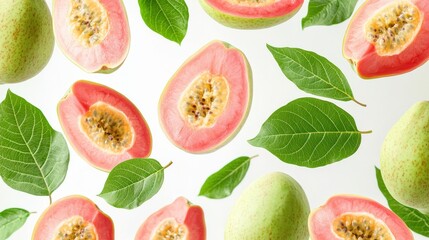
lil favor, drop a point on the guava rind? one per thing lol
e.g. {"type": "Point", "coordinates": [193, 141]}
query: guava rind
{"type": "Point", "coordinates": [272, 207]}
{"type": "Point", "coordinates": [247, 22]}
{"type": "Point", "coordinates": [67, 207]}
{"type": "Point", "coordinates": [362, 55]}
{"type": "Point", "coordinates": [320, 220]}
{"type": "Point", "coordinates": [78, 100]}
{"type": "Point", "coordinates": [219, 58]}
{"type": "Point", "coordinates": [183, 212]}
{"type": "Point", "coordinates": [106, 57]}
{"type": "Point", "coordinates": [26, 39]}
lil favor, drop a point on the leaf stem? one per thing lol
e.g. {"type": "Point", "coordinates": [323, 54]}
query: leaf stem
{"type": "Point", "coordinates": [50, 199]}
{"type": "Point", "coordinates": [356, 101]}
{"type": "Point", "coordinates": [255, 156]}
{"type": "Point", "coordinates": [169, 164]}
{"type": "Point", "coordinates": [365, 132]}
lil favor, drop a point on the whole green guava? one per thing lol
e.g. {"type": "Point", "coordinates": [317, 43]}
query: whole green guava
{"type": "Point", "coordinates": [26, 39]}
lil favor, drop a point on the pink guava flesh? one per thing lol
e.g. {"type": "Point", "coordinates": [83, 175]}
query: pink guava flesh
{"type": "Point", "coordinates": [68, 207]}
{"type": "Point", "coordinates": [217, 58]}
{"type": "Point", "coordinates": [110, 53]}
{"type": "Point", "coordinates": [320, 220]}
{"type": "Point", "coordinates": [362, 54]}
{"type": "Point", "coordinates": [277, 9]}
{"type": "Point", "coordinates": [183, 212]}
{"type": "Point", "coordinates": [77, 102]}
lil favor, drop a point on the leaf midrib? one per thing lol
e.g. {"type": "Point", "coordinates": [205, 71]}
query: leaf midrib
{"type": "Point", "coordinates": [172, 26]}
{"type": "Point", "coordinates": [135, 183]}
{"type": "Point", "coordinates": [311, 133]}
{"type": "Point", "coordinates": [15, 219]}
{"type": "Point", "coordinates": [29, 149]}
{"type": "Point", "coordinates": [327, 5]}
{"type": "Point", "coordinates": [228, 175]}
{"type": "Point", "coordinates": [323, 80]}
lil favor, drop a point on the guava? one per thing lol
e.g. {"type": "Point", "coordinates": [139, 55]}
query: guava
{"type": "Point", "coordinates": [404, 158]}
{"type": "Point", "coordinates": [93, 34]}
{"type": "Point", "coordinates": [102, 125]}
{"type": "Point", "coordinates": [74, 217]}
{"type": "Point", "coordinates": [26, 39]}
{"type": "Point", "coordinates": [273, 207]}
{"type": "Point", "coordinates": [251, 14]}
{"type": "Point", "coordinates": [354, 217]}
{"type": "Point", "coordinates": [207, 100]}
{"type": "Point", "coordinates": [179, 220]}
{"type": "Point", "coordinates": [387, 37]}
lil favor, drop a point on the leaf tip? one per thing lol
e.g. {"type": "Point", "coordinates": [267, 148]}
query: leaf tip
{"type": "Point", "coordinates": [270, 47]}
{"type": "Point", "coordinates": [303, 23]}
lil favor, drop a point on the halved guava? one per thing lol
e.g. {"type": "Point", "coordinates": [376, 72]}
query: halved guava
{"type": "Point", "coordinates": [94, 34]}
{"type": "Point", "coordinates": [103, 126]}
{"type": "Point", "coordinates": [251, 14]}
{"type": "Point", "coordinates": [179, 220]}
{"type": "Point", "coordinates": [354, 217]}
{"type": "Point", "coordinates": [388, 37]}
{"type": "Point", "coordinates": [207, 100]}
{"type": "Point", "coordinates": [74, 217]}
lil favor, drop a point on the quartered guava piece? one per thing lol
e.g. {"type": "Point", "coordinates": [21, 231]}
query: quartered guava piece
{"type": "Point", "coordinates": [74, 217]}
{"type": "Point", "coordinates": [179, 220]}
{"type": "Point", "coordinates": [103, 126]}
{"type": "Point", "coordinates": [387, 37]}
{"type": "Point", "coordinates": [354, 217]}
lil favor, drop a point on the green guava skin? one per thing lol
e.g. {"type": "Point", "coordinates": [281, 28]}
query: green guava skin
{"type": "Point", "coordinates": [274, 207]}
{"type": "Point", "coordinates": [26, 39]}
{"type": "Point", "coordinates": [241, 22]}
{"type": "Point", "coordinates": [404, 158]}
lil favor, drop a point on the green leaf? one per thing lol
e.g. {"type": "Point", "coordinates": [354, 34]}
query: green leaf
{"type": "Point", "coordinates": [33, 157]}
{"type": "Point", "coordinates": [166, 17]}
{"type": "Point", "coordinates": [133, 182]}
{"type": "Point", "coordinates": [309, 132]}
{"type": "Point", "coordinates": [11, 220]}
{"type": "Point", "coordinates": [313, 73]}
{"type": "Point", "coordinates": [328, 12]}
{"type": "Point", "coordinates": [221, 183]}
{"type": "Point", "coordinates": [415, 220]}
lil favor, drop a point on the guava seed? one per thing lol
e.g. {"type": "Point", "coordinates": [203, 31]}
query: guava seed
{"type": "Point", "coordinates": [75, 228]}
{"type": "Point", "coordinates": [354, 226]}
{"type": "Point", "coordinates": [393, 28]}
{"type": "Point", "coordinates": [108, 128]}
{"type": "Point", "coordinates": [204, 100]}
{"type": "Point", "coordinates": [170, 229]}
{"type": "Point", "coordinates": [89, 22]}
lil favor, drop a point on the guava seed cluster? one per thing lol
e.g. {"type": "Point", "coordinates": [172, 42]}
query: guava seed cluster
{"type": "Point", "coordinates": [252, 3]}
{"type": "Point", "coordinates": [107, 127]}
{"type": "Point", "coordinates": [204, 100]}
{"type": "Point", "coordinates": [169, 229]}
{"type": "Point", "coordinates": [76, 228]}
{"type": "Point", "coordinates": [89, 22]}
{"type": "Point", "coordinates": [393, 28]}
{"type": "Point", "coordinates": [351, 226]}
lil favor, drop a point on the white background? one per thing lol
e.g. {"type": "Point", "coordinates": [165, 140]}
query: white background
{"type": "Point", "coordinates": [152, 60]}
